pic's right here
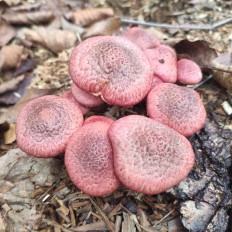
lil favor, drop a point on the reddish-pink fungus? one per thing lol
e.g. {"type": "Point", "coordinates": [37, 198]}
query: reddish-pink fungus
{"type": "Point", "coordinates": [178, 107]}
{"type": "Point", "coordinates": [156, 81]}
{"type": "Point", "coordinates": [45, 124]}
{"type": "Point", "coordinates": [188, 72]}
{"type": "Point", "coordinates": [163, 63]}
{"type": "Point", "coordinates": [97, 118]}
{"type": "Point", "coordinates": [85, 98]}
{"type": "Point", "coordinates": [112, 67]}
{"type": "Point", "coordinates": [68, 94]}
{"type": "Point", "coordinates": [89, 160]}
{"type": "Point", "coordinates": [141, 38]}
{"type": "Point", "coordinates": [149, 157]}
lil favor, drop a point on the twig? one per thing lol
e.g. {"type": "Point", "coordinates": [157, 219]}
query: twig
{"type": "Point", "coordinates": [202, 82]}
{"type": "Point", "coordinates": [104, 217]}
{"type": "Point", "coordinates": [54, 223]}
{"type": "Point", "coordinates": [164, 218]}
{"type": "Point", "coordinates": [217, 69]}
{"type": "Point", "coordinates": [177, 26]}
{"type": "Point", "coordinates": [134, 218]}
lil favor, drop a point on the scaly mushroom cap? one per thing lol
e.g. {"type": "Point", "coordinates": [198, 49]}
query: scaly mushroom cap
{"type": "Point", "coordinates": [45, 124]}
{"type": "Point", "coordinates": [97, 118]}
{"type": "Point", "coordinates": [163, 63]}
{"type": "Point", "coordinates": [149, 157]}
{"type": "Point", "coordinates": [89, 160]}
{"type": "Point", "coordinates": [85, 98]}
{"type": "Point", "coordinates": [68, 94]}
{"type": "Point", "coordinates": [141, 38]}
{"type": "Point", "coordinates": [178, 107]}
{"type": "Point", "coordinates": [188, 72]}
{"type": "Point", "coordinates": [112, 67]}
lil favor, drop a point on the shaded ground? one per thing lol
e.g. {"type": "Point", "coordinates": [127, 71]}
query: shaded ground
{"type": "Point", "coordinates": [39, 196]}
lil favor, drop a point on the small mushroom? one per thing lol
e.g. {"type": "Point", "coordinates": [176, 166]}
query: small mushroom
{"type": "Point", "coordinates": [178, 107]}
{"type": "Point", "coordinates": [149, 157]}
{"type": "Point", "coordinates": [163, 63]}
{"type": "Point", "coordinates": [89, 160]}
{"type": "Point", "coordinates": [68, 94]}
{"type": "Point", "coordinates": [85, 98]}
{"type": "Point", "coordinates": [141, 38]}
{"type": "Point", "coordinates": [97, 118]}
{"type": "Point", "coordinates": [188, 72]}
{"type": "Point", "coordinates": [45, 125]}
{"type": "Point", "coordinates": [113, 68]}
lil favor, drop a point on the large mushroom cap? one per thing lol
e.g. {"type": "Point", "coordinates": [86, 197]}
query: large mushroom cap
{"type": "Point", "coordinates": [178, 107]}
{"type": "Point", "coordinates": [149, 157]}
{"type": "Point", "coordinates": [141, 38]}
{"type": "Point", "coordinates": [112, 67]}
{"type": "Point", "coordinates": [89, 160]}
{"type": "Point", "coordinates": [45, 124]}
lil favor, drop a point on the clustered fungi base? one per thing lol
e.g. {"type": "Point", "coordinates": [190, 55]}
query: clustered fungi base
{"type": "Point", "coordinates": [148, 155]}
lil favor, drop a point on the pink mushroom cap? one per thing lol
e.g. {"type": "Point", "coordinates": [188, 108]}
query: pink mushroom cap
{"type": "Point", "coordinates": [68, 94]}
{"type": "Point", "coordinates": [89, 160]}
{"type": "Point", "coordinates": [149, 157]}
{"type": "Point", "coordinates": [98, 118]}
{"type": "Point", "coordinates": [141, 38]}
{"type": "Point", "coordinates": [163, 63]}
{"type": "Point", "coordinates": [112, 67]}
{"type": "Point", "coordinates": [85, 98]}
{"type": "Point", "coordinates": [178, 107]}
{"type": "Point", "coordinates": [156, 81]}
{"type": "Point", "coordinates": [45, 125]}
{"type": "Point", "coordinates": [188, 72]}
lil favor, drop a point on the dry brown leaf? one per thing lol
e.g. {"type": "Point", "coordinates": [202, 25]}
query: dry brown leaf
{"type": "Point", "coordinates": [11, 56]}
{"type": "Point", "coordinates": [54, 39]}
{"type": "Point", "coordinates": [103, 27]}
{"type": "Point", "coordinates": [198, 51]}
{"type": "Point", "coordinates": [66, 25]}
{"type": "Point", "coordinates": [9, 135]}
{"type": "Point", "coordinates": [11, 84]}
{"type": "Point", "coordinates": [13, 96]}
{"type": "Point", "coordinates": [223, 70]}
{"type": "Point", "coordinates": [88, 16]}
{"type": "Point", "coordinates": [28, 18]}
{"type": "Point", "coordinates": [7, 32]}
{"type": "Point", "coordinates": [27, 7]}
{"type": "Point", "coordinates": [11, 115]}
{"type": "Point", "coordinates": [12, 2]}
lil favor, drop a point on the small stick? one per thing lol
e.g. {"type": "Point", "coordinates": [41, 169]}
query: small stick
{"type": "Point", "coordinates": [164, 218]}
{"type": "Point", "coordinates": [104, 217]}
{"type": "Point", "coordinates": [202, 82]}
{"type": "Point", "coordinates": [177, 26]}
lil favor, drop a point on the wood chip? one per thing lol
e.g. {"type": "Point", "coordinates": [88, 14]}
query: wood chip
{"type": "Point", "coordinates": [76, 205]}
{"type": "Point", "coordinates": [6, 207]}
{"type": "Point", "coordinates": [118, 223]}
{"type": "Point", "coordinates": [128, 224]}
{"type": "Point", "coordinates": [104, 217]}
{"type": "Point", "coordinates": [227, 107]}
{"type": "Point", "coordinates": [101, 226]}
{"type": "Point", "coordinates": [72, 216]}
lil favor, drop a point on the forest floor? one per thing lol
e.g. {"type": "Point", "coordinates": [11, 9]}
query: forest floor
{"type": "Point", "coordinates": [36, 38]}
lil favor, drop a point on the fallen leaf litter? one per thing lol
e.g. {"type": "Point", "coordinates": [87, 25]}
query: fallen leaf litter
{"type": "Point", "coordinates": [218, 118]}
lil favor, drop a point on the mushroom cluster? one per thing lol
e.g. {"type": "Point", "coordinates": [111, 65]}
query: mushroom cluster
{"type": "Point", "coordinates": [147, 154]}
